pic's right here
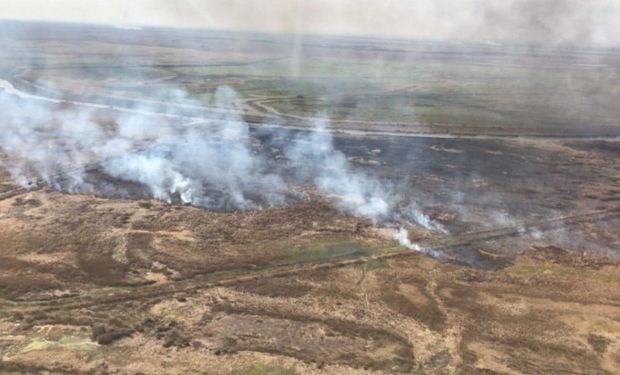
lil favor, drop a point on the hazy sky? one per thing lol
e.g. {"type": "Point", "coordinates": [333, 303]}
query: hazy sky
{"type": "Point", "coordinates": [543, 21]}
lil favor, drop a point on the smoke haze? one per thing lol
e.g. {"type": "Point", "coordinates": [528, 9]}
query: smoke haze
{"type": "Point", "coordinates": [212, 164]}
{"type": "Point", "coordinates": [549, 22]}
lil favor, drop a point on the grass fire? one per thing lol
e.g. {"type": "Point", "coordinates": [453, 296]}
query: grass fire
{"type": "Point", "coordinates": [243, 189]}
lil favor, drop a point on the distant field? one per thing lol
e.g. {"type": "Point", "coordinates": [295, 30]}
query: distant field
{"type": "Point", "coordinates": [368, 81]}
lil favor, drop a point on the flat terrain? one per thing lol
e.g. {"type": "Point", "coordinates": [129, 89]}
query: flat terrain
{"type": "Point", "coordinates": [358, 83]}
{"type": "Point", "coordinates": [511, 153]}
{"type": "Point", "coordinates": [105, 285]}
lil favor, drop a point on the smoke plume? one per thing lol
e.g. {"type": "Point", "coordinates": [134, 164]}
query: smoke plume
{"type": "Point", "coordinates": [216, 164]}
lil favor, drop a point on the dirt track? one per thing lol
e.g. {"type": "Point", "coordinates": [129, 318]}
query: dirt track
{"type": "Point", "coordinates": [352, 128]}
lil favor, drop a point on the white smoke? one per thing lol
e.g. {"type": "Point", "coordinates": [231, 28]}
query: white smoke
{"type": "Point", "coordinates": [207, 163]}
{"type": "Point", "coordinates": [210, 164]}
{"type": "Point", "coordinates": [402, 237]}
{"type": "Point", "coordinates": [420, 218]}
{"type": "Point", "coordinates": [214, 156]}
{"type": "Point", "coordinates": [158, 174]}
{"type": "Point", "coordinates": [314, 155]}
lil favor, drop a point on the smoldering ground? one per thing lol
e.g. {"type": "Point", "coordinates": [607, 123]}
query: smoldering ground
{"type": "Point", "coordinates": [221, 163]}
{"type": "Point", "coordinates": [215, 164]}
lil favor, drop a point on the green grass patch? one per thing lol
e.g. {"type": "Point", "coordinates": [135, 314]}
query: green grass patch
{"type": "Point", "coordinates": [326, 250]}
